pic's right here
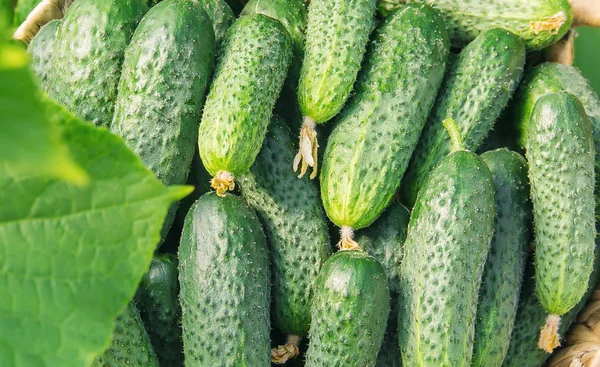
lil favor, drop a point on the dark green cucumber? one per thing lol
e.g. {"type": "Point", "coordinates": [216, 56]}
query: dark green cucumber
{"type": "Point", "coordinates": [336, 39]}
{"type": "Point", "coordinates": [551, 77]}
{"type": "Point", "coordinates": [241, 99]}
{"type": "Point", "coordinates": [560, 152]}
{"type": "Point", "coordinates": [130, 345]}
{"type": "Point", "coordinates": [503, 273]}
{"type": "Point", "coordinates": [449, 235]}
{"type": "Point", "coordinates": [220, 15]}
{"type": "Point", "coordinates": [384, 240]}
{"type": "Point", "coordinates": [22, 10]}
{"type": "Point", "coordinates": [158, 301]}
{"type": "Point", "coordinates": [475, 90]}
{"type": "Point", "coordinates": [375, 135]}
{"type": "Point", "coordinates": [295, 225]}
{"type": "Point", "coordinates": [88, 54]}
{"type": "Point", "coordinates": [539, 23]}
{"type": "Point", "coordinates": [225, 285]}
{"type": "Point", "coordinates": [349, 311]}
{"type": "Point", "coordinates": [40, 49]}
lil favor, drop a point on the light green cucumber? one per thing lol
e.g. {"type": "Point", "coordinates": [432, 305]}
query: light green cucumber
{"type": "Point", "coordinates": [224, 274]}
{"type": "Point", "coordinates": [476, 88]}
{"type": "Point", "coordinates": [40, 50]}
{"type": "Point", "coordinates": [130, 345]}
{"type": "Point", "coordinates": [349, 311]}
{"type": "Point", "coordinates": [560, 152]}
{"type": "Point", "coordinates": [449, 234]}
{"type": "Point", "coordinates": [539, 23]}
{"type": "Point", "coordinates": [254, 61]}
{"type": "Point", "coordinates": [88, 54]}
{"type": "Point", "coordinates": [375, 135]}
{"type": "Point", "coordinates": [295, 225]}
{"type": "Point", "coordinates": [503, 273]}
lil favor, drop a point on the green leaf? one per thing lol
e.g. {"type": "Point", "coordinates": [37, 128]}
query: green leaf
{"type": "Point", "coordinates": [71, 256]}
{"type": "Point", "coordinates": [29, 142]}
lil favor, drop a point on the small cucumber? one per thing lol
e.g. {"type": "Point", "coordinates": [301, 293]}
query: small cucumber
{"type": "Point", "coordinates": [221, 17]}
{"type": "Point", "coordinates": [88, 54]}
{"type": "Point", "coordinates": [158, 301]}
{"type": "Point", "coordinates": [560, 152]}
{"type": "Point", "coordinates": [375, 135]}
{"type": "Point", "coordinates": [295, 225]}
{"type": "Point", "coordinates": [254, 61]}
{"type": "Point", "coordinates": [449, 235]}
{"type": "Point", "coordinates": [476, 88]}
{"type": "Point", "coordinates": [40, 49]}
{"type": "Point", "coordinates": [224, 274]}
{"type": "Point", "coordinates": [539, 23]}
{"type": "Point", "coordinates": [336, 39]}
{"type": "Point", "coordinates": [503, 273]}
{"type": "Point", "coordinates": [130, 345]}
{"type": "Point", "coordinates": [349, 311]}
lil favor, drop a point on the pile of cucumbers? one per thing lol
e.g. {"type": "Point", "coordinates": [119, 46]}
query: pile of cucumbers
{"type": "Point", "coordinates": [449, 215]}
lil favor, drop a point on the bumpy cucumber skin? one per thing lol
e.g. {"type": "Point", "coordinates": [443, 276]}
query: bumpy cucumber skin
{"type": "Point", "coordinates": [224, 274]}
{"type": "Point", "coordinates": [503, 273]}
{"type": "Point", "coordinates": [452, 223]}
{"type": "Point", "coordinates": [336, 40]}
{"type": "Point", "coordinates": [220, 15]}
{"type": "Point", "coordinates": [552, 77]}
{"type": "Point", "coordinates": [241, 99]}
{"type": "Point", "coordinates": [88, 54]}
{"type": "Point", "coordinates": [560, 152]}
{"type": "Point", "coordinates": [384, 240]}
{"type": "Point", "coordinates": [466, 19]}
{"type": "Point", "coordinates": [40, 49]}
{"type": "Point", "coordinates": [295, 224]}
{"type": "Point", "coordinates": [476, 88]}
{"type": "Point", "coordinates": [375, 135]}
{"type": "Point", "coordinates": [130, 345]}
{"type": "Point", "coordinates": [349, 311]}
{"type": "Point", "coordinates": [158, 301]}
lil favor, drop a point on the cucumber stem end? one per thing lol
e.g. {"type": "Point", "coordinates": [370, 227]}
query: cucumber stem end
{"type": "Point", "coordinates": [307, 151]}
{"type": "Point", "coordinates": [549, 338]}
{"type": "Point", "coordinates": [454, 132]}
{"type": "Point", "coordinates": [347, 242]}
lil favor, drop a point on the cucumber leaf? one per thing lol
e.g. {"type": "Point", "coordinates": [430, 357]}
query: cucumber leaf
{"type": "Point", "coordinates": [71, 255]}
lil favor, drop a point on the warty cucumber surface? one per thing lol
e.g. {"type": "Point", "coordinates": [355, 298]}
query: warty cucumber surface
{"type": "Point", "coordinates": [40, 50]}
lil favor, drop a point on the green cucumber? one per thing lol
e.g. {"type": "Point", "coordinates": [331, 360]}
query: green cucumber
{"type": "Point", "coordinates": [560, 152]}
{"type": "Point", "coordinates": [295, 225]}
{"type": "Point", "coordinates": [384, 240]}
{"type": "Point", "coordinates": [22, 10]}
{"type": "Point", "coordinates": [449, 235]}
{"type": "Point", "coordinates": [539, 23]}
{"type": "Point", "coordinates": [336, 39]}
{"type": "Point", "coordinates": [88, 55]}
{"type": "Point", "coordinates": [158, 301]}
{"type": "Point", "coordinates": [375, 135]}
{"type": "Point", "coordinates": [503, 273]}
{"type": "Point", "coordinates": [551, 77]}
{"type": "Point", "coordinates": [475, 90]}
{"type": "Point", "coordinates": [40, 49]}
{"type": "Point", "coordinates": [224, 274]}
{"type": "Point", "coordinates": [349, 311]}
{"type": "Point", "coordinates": [130, 345]}
{"type": "Point", "coordinates": [254, 61]}
{"type": "Point", "coordinates": [221, 17]}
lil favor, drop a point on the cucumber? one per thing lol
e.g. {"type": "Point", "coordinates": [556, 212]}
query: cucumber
{"type": "Point", "coordinates": [158, 301]}
{"type": "Point", "coordinates": [449, 235]}
{"type": "Point", "coordinates": [503, 272]}
{"type": "Point", "coordinates": [224, 274]}
{"type": "Point", "coordinates": [241, 99]}
{"type": "Point", "coordinates": [349, 311]}
{"type": "Point", "coordinates": [221, 17]}
{"type": "Point", "coordinates": [336, 40]}
{"type": "Point", "coordinates": [295, 225]}
{"type": "Point", "coordinates": [383, 240]}
{"type": "Point", "coordinates": [475, 90]}
{"type": "Point", "coordinates": [22, 10]}
{"type": "Point", "coordinates": [539, 23]}
{"type": "Point", "coordinates": [88, 54]}
{"type": "Point", "coordinates": [371, 145]}
{"type": "Point", "coordinates": [551, 77]}
{"type": "Point", "coordinates": [560, 152]}
{"type": "Point", "coordinates": [40, 50]}
{"type": "Point", "coordinates": [130, 345]}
